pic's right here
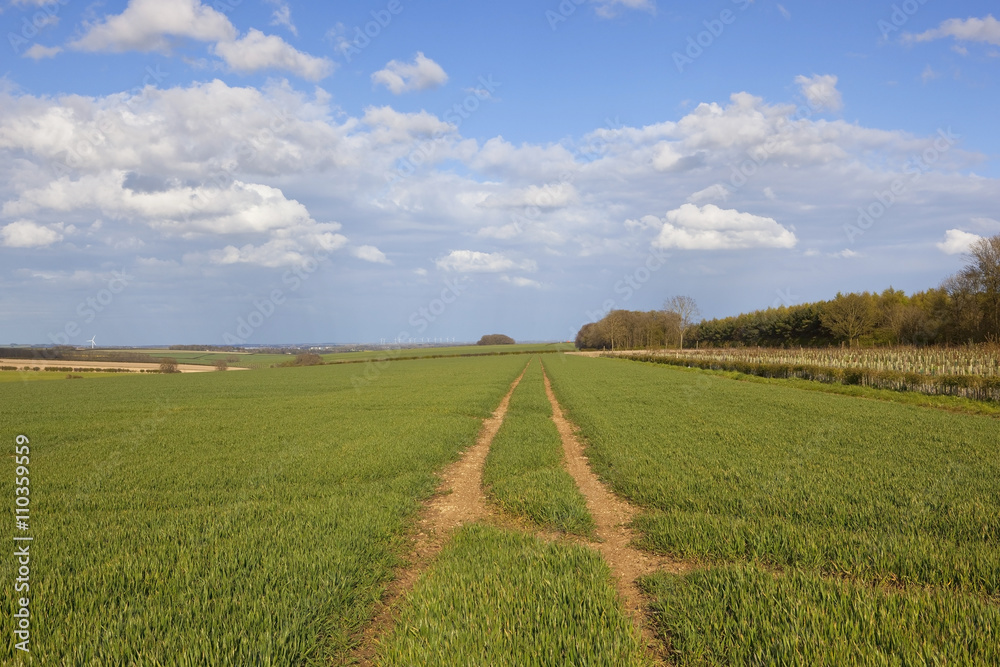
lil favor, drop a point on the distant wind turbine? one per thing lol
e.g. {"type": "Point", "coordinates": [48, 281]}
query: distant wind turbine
{"type": "Point", "coordinates": [93, 342]}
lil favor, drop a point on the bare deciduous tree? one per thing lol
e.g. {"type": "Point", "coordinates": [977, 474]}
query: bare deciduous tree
{"type": "Point", "coordinates": [617, 328]}
{"type": "Point", "coordinates": [983, 275]}
{"type": "Point", "coordinates": [850, 316]}
{"type": "Point", "coordinates": [685, 309]}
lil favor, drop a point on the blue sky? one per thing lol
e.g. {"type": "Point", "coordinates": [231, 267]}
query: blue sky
{"type": "Point", "coordinates": [262, 171]}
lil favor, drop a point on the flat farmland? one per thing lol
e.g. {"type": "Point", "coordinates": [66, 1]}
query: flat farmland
{"type": "Point", "coordinates": [96, 366]}
{"type": "Point", "coordinates": [264, 360]}
{"type": "Point", "coordinates": [454, 351]}
{"type": "Point", "coordinates": [524, 472]}
{"type": "Point", "coordinates": [229, 518]}
{"type": "Point", "coordinates": [499, 597]}
{"type": "Point", "coordinates": [197, 358]}
{"type": "Point", "coordinates": [32, 376]}
{"type": "Point", "coordinates": [847, 492]}
{"type": "Point", "coordinates": [294, 516]}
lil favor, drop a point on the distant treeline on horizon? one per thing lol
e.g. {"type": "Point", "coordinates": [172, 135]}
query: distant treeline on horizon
{"type": "Point", "coordinates": [964, 309]}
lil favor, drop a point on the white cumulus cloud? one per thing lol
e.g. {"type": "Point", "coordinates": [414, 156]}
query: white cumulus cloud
{"type": "Point", "coordinates": [471, 261]}
{"type": "Point", "coordinates": [967, 30]}
{"type": "Point", "coordinates": [257, 51]}
{"type": "Point", "coordinates": [169, 178]}
{"type": "Point", "coordinates": [711, 228]}
{"type": "Point", "coordinates": [400, 77]}
{"type": "Point", "coordinates": [821, 91]}
{"type": "Point", "coordinates": [154, 25]}
{"type": "Point", "coordinates": [370, 253]}
{"type": "Point", "coordinates": [956, 242]}
{"type": "Point", "coordinates": [667, 157]}
{"type": "Point", "coordinates": [520, 281]}
{"type": "Point", "coordinates": [241, 208]}
{"type": "Point", "coordinates": [38, 52]}
{"type": "Point", "coordinates": [717, 192]}
{"type": "Point", "coordinates": [846, 253]}
{"type": "Point", "coordinates": [149, 25]}
{"type": "Point", "coordinates": [283, 16]}
{"type": "Point", "coordinates": [27, 234]}
{"type": "Point", "coordinates": [390, 126]}
{"type": "Point", "coordinates": [274, 253]}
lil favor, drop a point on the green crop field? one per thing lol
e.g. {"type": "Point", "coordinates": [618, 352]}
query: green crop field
{"type": "Point", "coordinates": [502, 598]}
{"type": "Point", "coordinates": [742, 614]}
{"type": "Point", "coordinates": [31, 376]}
{"type": "Point", "coordinates": [228, 518]}
{"type": "Point", "coordinates": [258, 518]}
{"type": "Point", "coordinates": [242, 360]}
{"type": "Point", "coordinates": [260, 360]}
{"type": "Point", "coordinates": [524, 471]}
{"type": "Point", "coordinates": [874, 492]}
{"type": "Point", "coordinates": [458, 350]}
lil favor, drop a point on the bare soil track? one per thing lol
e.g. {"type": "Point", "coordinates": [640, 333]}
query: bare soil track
{"type": "Point", "coordinates": [459, 500]}
{"type": "Point", "coordinates": [612, 515]}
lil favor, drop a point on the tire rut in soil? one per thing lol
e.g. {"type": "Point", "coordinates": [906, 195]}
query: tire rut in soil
{"type": "Point", "coordinates": [459, 500]}
{"type": "Point", "coordinates": [612, 515]}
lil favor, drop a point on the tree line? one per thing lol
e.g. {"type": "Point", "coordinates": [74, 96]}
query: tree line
{"type": "Point", "coordinates": [964, 309]}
